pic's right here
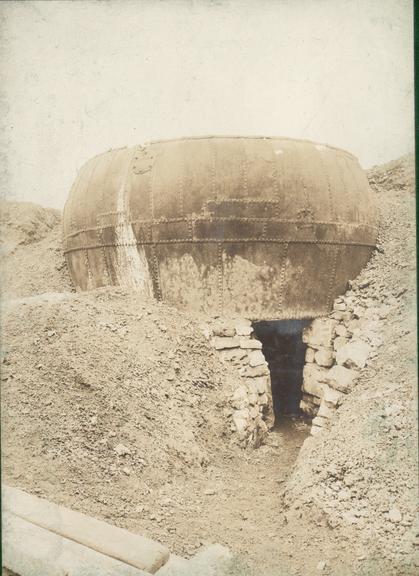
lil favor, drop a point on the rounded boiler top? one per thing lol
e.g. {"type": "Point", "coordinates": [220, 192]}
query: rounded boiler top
{"type": "Point", "coordinates": [267, 228]}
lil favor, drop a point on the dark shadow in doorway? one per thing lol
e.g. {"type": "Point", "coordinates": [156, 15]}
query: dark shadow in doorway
{"type": "Point", "coordinates": [284, 350]}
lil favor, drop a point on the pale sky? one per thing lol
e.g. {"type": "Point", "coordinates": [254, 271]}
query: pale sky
{"type": "Point", "coordinates": [80, 77]}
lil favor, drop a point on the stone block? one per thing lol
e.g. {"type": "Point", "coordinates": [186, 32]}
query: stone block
{"type": "Point", "coordinates": [354, 354]}
{"type": "Point", "coordinates": [308, 408]}
{"type": "Point", "coordinates": [340, 378]}
{"type": "Point", "coordinates": [332, 396]}
{"type": "Point", "coordinates": [223, 343]}
{"type": "Point", "coordinates": [241, 420]}
{"type": "Point", "coordinates": [339, 342]}
{"type": "Point", "coordinates": [325, 410]}
{"type": "Point", "coordinates": [324, 357]}
{"type": "Point", "coordinates": [243, 327]}
{"type": "Point", "coordinates": [255, 371]}
{"type": "Point", "coordinates": [312, 399]}
{"type": "Point", "coordinates": [232, 354]}
{"type": "Point", "coordinates": [240, 399]}
{"type": "Point", "coordinates": [320, 333]}
{"type": "Point", "coordinates": [263, 399]}
{"type": "Point", "coordinates": [213, 560]}
{"type": "Point", "coordinates": [256, 358]}
{"type": "Point", "coordinates": [206, 330]}
{"type": "Point", "coordinates": [261, 384]}
{"type": "Point", "coordinates": [341, 330]}
{"type": "Point", "coordinates": [310, 352]}
{"type": "Point", "coordinates": [347, 316]}
{"type": "Point", "coordinates": [319, 421]}
{"type": "Point", "coordinates": [254, 411]}
{"type": "Point", "coordinates": [223, 330]}
{"type": "Point", "coordinates": [250, 344]}
{"type": "Point", "coordinates": [313, 379]}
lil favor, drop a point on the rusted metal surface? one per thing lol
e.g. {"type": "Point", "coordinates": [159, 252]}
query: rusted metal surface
{"type": "Point", "coordinates": [268, 228]}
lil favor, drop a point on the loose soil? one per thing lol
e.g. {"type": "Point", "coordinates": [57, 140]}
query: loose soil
{"type": "Point", "coordinates": [113, 405]}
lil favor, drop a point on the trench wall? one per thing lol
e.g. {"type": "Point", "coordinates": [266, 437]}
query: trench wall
{"type": "Point", "coordinates": [250, 410]}
{"type": "Point", "coordinates": [338, 347]}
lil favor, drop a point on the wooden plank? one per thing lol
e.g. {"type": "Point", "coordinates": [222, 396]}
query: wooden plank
{"type": "Point", "coordinates": [29, 550]}
{"type": "Point", "coordinates": [133, 549]}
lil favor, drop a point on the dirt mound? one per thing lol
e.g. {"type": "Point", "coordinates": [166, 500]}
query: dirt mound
{"type": "Point", "coordinates": [108, 388]}
{"type": "Point", "coordinates": [24, 222]}
{"type": "Point", "coordinates": [31, 259]}
{"type": "Point", "coordinates": [393, 176]}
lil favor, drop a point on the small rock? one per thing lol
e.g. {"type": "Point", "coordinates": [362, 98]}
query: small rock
{"type": "Point", "coordinates": [240, 398]}
{"type": "Point", "coordinates": [324, 357]}
{"type": "Point", "coordinates": [121, 450]}
{"type": "Point", "coordinates": [320, 333]}
{"type": "Point", "coordinates": [232, 355]}
{"type": "Point", "coordinates": [394, 515]}
{"type": "Point", "coordinates": [253, 411]}
{"type": "Point", "coordinates": [223, 331]}
{"type": "Point", "coordinates": [339, 342]}
{"type": "Point", "coordinates": [243, 327]}
{"type": "Point", "coordinates": [250, 343]}
{"type": "Point", "coordinates": [256, 358]}
{"type": "Point", "coordinates": [240, 419]}
{"type": "Point", "coordinates": [222, 343]}
{"type": "Point", "coordinates": [354, 354]}
{"type": "Point", "coordinates": [209, 492]}
{"type": "Point", "coordinates": [206, 331]}
{"type": "Point", "coordinates": [308, 408]}
{"type": "Point", "coordinates": [313, 378]}
{"type": "Point", "coordinates": [321, 565]}
{"type": "Point", "coordinates": [332, 396]}
{"type": "Point", "coordinates": [255, 371]}
{"type": "Point", "coordinates": [340, 378]}
{"type": "Point", "coordinates": [325, 411]}
{"type": "Point", "coordinates": [260, 384]}
{"type": "Point", "coordinates": [310, 353]}
{"type": "Point", "coordinates": [319, 421]}
{"type": "Point", "coordinates": [341, 330]}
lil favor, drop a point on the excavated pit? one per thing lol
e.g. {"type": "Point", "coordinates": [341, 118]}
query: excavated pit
{"type": "Point", "coordinates": [284, 350]}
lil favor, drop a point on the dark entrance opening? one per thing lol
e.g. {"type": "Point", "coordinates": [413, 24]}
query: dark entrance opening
{"type": "Point", "coordinates": [284, 350]}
